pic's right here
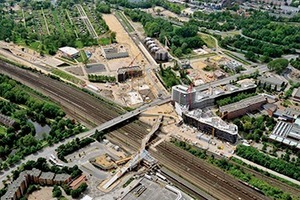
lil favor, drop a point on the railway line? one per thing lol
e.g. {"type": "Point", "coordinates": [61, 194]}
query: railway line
{"type": "Point", "coordinates": [200, 173]}
{"type": "Point", "coordinates": [77, 102]}
{"type": "Point", "coordinates": [197, 171]}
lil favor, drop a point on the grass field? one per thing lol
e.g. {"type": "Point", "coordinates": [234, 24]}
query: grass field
{"type": "Point", "coordinates": [104, 41]}
{"type": "Point", "coordinates": [193, 56]}
{"type": "Point", "coordinates": [66, 76]}
{"type": "Point", "coordinates": [236, 58]}
{"type": "Point", "coordinates": [83, 58]}
{"type": "Point", "coordinates": [2, 130]}
{"type": "Point", "coordinates": [210, 42]}
{"type": "Point", "coordinates": [124, 21]}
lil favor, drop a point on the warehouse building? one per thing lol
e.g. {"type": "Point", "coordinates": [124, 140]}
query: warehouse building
{"type": "Point", "coordinates": [211, 125]}
{"type": "Point", "coordinates": [201, 99]}
{"type": "Point", "coordinates": [274, 82]}
{"type": "Point", "coordinates": [242, 107]}
{"type": "Point", "coordinates": [69, 52]}
{"type": "Point", "coordinates": [125, 73]}
{"type": "Point", "coordinates": [287, 133]}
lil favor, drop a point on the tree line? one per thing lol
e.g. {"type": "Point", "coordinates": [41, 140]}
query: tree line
{"type": "Point", "coordinates": [279, 165]}
{"type": "Point", "coordinates": [101, 78]}
{"type": "Point", "coordinates": [24, 104]}
{"type": "Point", "coordinates": [182, 39]}
{"type": "Point", "coordinates": [71, 147]}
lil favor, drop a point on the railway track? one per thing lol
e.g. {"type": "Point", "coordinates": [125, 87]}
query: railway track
{"type": "Point", "coordinates": [211, 179]}
{"type": "Point", "coordinates": [198, 172]}
{"type": "Point", "coordinates": [272, 181]}
{"type": "Point", "coordinates": [80, 105]}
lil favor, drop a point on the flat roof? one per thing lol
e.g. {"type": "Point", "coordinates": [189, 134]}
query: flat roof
{"type": "Point", "coordinates": [214, 121]}
{"type": "Point", "coordinates": [53, 62]}
{"type": "Point", "coordinates": [297, 94]}
{"type": "Point", "coordinates": [47, 175]}
{"type": "Point", "coordinates": [62, 177]}
{"type": "Point", "coordinates": [242, 104]}
{"type": "Point", "coordinates": [287, 133]}
{"type": "Point", "coordinates": [271, 80]}
{"type": "Point", "coordinates": [69, 50]}
{"type": "Point", "coordinates": [123, 70]}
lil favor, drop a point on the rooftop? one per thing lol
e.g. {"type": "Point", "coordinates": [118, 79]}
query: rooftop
{"type": "Point", "coordinates": [297, 94]}
{"type": "Point", "coordinates": [61, 177]}
{"type": "Point", "coordinates": [47, 175]}
{"type": "Point", "coordinates": [123, 70]}
{"type": "Point", "coordinates": [69, 50]}
{"type": "Point", "coordinates": [271, 80]}
{"type": "Point", "coordinates": [287, 133]}
{"type": "Point", "coordinates": [217, 122]}
{"type": "Point", "coordinates": [242, 104]}
{"type": "Point", "coordinates": [78, 181]}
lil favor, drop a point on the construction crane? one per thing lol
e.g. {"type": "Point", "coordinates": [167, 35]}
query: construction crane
{"type": "Point", "coordinates": [132, 71]}
{"type": "Point", "coordinates": [190, 94]}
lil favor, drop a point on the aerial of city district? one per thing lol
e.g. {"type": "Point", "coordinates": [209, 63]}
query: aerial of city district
{"type": "Point", "coordinates": [149, 99]}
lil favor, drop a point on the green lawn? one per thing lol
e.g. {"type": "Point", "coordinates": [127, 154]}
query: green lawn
{"type": "Point", "coordinates": [124, 21]}
{"type": "Point", "coordinates": [83, 57]}
{"type": "Point", "coordinates": [210, 42]}
{"type": "Point", "coordinates": [2, 130]}
{"type": "Point", "coordinates": [195, 56]}
{"type": "Point", "coordinates": [104, 41]}
{"type": "Point", "coordinates": [66, 76]}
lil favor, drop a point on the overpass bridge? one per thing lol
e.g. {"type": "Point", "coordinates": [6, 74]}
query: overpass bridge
{"type": "Point", "coordinates": [126, 116]}
{"type": "Point", "coordinates": [136, 158]}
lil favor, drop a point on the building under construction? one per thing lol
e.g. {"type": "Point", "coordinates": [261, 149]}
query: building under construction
{"type": "Point", "coordinates": [189, 97]}
{"type": "Point", "coordinates": [125, 73]}
{"type": "Point", "coordinates": [212, 125]}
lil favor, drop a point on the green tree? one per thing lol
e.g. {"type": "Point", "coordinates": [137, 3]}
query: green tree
{"type": "Point", "coordinates": [56, 192]}
{"type": "Point", "coordinates": [278, 65]}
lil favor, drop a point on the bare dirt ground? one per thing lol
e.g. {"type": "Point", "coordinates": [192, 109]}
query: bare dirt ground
{"type": "Point", "coordinates": [43, 194]}
{"type": "Point", "coordinates": [122, 37]}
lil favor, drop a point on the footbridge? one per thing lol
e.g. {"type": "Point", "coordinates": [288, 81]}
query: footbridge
{"type": "Point", "coordinates": [127, 116]}
{"type": "Point", "coordinates": [136, 158]}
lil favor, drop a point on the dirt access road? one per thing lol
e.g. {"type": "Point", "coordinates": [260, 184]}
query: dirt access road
{"type": "Point", "coordinates": [122, 37]}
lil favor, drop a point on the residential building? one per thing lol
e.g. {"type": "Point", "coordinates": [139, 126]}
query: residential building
{"type": "Point", "coordinates": [242, 107]}
{"type": "Point", "coordinates": [62, 179]}
{"type": "Point", "coordinates": [46, 178]}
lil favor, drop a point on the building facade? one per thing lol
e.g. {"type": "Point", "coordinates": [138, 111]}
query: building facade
{"type": "Point", "coordinates": [211, 125]}
{"type": "Point", "coordinates": [242, 107]}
